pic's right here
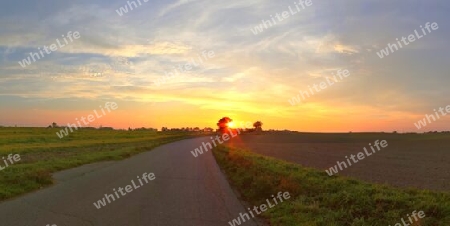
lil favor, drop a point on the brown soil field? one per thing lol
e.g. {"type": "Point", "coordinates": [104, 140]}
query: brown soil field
{"type": "Point", "coordinates": [410, 160]}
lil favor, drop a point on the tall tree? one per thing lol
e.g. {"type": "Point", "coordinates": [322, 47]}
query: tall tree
{"type": "Point", "coordinates": [258, 125]}
{"type": "Point", "coordinates": [223, 124]}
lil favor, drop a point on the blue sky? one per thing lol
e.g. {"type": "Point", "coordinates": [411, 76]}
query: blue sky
{"type": "Point", "coordinates": [251, 77]}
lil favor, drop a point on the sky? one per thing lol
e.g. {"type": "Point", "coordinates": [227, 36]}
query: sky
{"type": "Point", "coordinates": [242, 74]}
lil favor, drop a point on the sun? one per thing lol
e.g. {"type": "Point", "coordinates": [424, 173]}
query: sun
{"type": "Point", "coordinates": [230, 124]}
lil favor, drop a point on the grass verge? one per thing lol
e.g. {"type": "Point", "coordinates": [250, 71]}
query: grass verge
{"type": "Point", "coordinates": [318, 199]}
{"type": "Point", "coordinates": [43, 153]}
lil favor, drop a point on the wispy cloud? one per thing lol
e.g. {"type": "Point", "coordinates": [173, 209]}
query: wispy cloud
{"type": "Point", "coordinates": [248, 74]}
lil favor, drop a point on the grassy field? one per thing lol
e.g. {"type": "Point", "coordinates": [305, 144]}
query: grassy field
{"type": "Point", "coordinates": [409, 160]}
{"type": "Point", "coordinates": [318, 199]}
{"type": "Point", "coordinates": [43, 153]}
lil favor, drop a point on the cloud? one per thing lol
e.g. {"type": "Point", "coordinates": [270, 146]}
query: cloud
{"type": "Point", "coordinates": [346, 49]}
{"type": "Point", "coordinates": [158, 48]}
{"type": "Point", "coordinates": [173, 6]}
{"type": "Point", "coordinates": [121, 57]}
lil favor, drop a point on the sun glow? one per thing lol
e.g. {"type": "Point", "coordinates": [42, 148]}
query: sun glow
{"type": "Point", "coordinates": [230, 124]}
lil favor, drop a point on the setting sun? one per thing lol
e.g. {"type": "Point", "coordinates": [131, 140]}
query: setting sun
{"type": "Point", "coordinates": [231, 124]}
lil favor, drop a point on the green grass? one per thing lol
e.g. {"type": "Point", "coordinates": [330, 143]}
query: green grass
{"type": "Point", "coordinates": [43, 153]}
{"type": "Point", "coordinates": [318, 199]}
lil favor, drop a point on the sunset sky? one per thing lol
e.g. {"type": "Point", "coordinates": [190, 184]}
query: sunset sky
{"type": "Point", "coordinates": [250, 77]}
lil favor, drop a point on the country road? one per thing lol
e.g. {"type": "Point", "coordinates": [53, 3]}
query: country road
{"type": "Point", "coordinates": [186, 191]}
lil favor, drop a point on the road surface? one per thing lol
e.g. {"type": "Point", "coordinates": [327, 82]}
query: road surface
{"type": "Point", "coordinates": [186, 191]}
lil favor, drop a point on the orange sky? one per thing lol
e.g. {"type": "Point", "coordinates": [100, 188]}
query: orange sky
{"type": "Point", "coordinates": [218, 66]}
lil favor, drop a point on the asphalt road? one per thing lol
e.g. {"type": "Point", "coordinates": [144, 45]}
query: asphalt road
{"type": "Point", "coordinates": [186, 191]}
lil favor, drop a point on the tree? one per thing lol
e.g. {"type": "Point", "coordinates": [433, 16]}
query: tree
{"type": "Point", "coordinates": [258, 125]}
{"type": "Point", "coordinates": [223, 124]}
{"type": "Point", "coordinates": [54, 125]}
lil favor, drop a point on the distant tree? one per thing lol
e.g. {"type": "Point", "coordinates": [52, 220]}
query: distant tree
{"type": "Point", "coordinates": [258, 125]}
{"type": "Point", "coordinates": [223, 124]}
{"type": "Point", "coordinates": [55, 125]}
{"type": "Point", "coordinates": [208, 129]}
{"type": "Point", "coordinates": [105, 128]}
